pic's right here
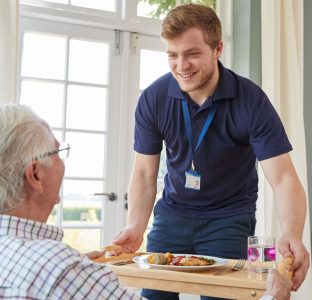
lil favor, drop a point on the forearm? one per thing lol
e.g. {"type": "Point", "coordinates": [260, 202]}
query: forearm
{"type": "Point", "coordinates": [289, 194]}
{"type": "Point", "coordinates": [291, 207]}
{"type": "Point", "coordinates": [141, 198]}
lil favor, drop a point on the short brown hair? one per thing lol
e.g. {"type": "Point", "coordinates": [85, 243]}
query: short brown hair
{"type": "Point", "coordinates": [187, 16]}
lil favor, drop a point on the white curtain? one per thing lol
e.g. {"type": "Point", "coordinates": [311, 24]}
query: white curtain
{"type": "Point", "coordinates": [8, 49]}
{"type": "Point", "coordinates": [282, 80]}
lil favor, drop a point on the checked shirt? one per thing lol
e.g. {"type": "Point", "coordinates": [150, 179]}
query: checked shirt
{"type": "Point", "coordinates": [35, 265]}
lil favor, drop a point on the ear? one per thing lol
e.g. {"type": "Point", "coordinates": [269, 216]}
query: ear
{"type": "Point", "coordinates": [218, 50]}
{"type": "Point", "coordinates": [33, 177]}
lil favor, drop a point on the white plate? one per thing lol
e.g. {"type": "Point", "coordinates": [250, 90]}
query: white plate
{"type": "Point", "coordinates": [142, 261]}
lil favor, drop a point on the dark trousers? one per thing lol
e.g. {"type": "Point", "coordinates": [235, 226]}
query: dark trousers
{"type": "Point", "coordinates": [224, 237]}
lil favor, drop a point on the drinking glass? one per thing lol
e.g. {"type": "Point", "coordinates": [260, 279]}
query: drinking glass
{"type": "Point", "coordinates": [261, 253]}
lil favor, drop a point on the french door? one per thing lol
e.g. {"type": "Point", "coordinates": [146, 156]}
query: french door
{"type": "Point", "coordinates": [70, 75]}
{"type": "Point", "coordinates": [85, 82]}
{"type": "Point", "coordinates": [148, 62]}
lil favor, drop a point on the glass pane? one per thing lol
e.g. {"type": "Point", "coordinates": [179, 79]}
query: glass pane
{"type": "Point", "coordinates": [155, 11]}
{"type": "Point", "coordinates": [148, 8]}
{"type": "Point", "coordinates": [45, 98]}
{"type": "Point", "coordinates": [79, 204]}
{"type": "Point", "coordinates": [57, 1]}
{"type": "Point", "coordinates": [83, 240]}
{"type": "Point", "coordinates": [86, 107]}
{"type": "Point", "coordinates": [153, 64]}
{"type": "Point", "coordinates": [58, 135]}
{"type": "Point", "coordinates": [53, 218]}
{"type": "Point", "coordinates": [109, 5]}
{"type": "Point", "coordinates": [88, 62]}
{"type": "Point", "coordinates": [86, 158]}
{"type": "Point", "coordinates": [43, 56]}
{"type": "Point", "coordinates": [162, 165]}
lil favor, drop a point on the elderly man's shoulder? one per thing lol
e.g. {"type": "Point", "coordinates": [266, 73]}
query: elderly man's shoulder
{"type": "Point", "coordinates": [42, 255]}
{"type": "Point", "coordinates": [59, 251]}
{"type": "Point", "coordinates": [43, 269]}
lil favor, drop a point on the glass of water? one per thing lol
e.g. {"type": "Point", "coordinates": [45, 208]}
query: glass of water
{"type": "Point", "coordinates": [261, 253]}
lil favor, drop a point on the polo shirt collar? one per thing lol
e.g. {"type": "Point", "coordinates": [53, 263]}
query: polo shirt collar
{"type": "Point", "coordinates": [226, 89]}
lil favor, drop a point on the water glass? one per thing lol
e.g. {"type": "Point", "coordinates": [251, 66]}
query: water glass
{"type": "Point", "coordinates": [261, 253]}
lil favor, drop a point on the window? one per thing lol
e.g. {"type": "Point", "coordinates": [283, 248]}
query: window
{"type": "Point", "coordinates": [66, 77]}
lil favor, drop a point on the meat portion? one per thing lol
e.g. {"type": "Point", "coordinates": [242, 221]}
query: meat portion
{"type": "Point", "coordinates": [196, 261]}
{"type": "Point", "coordinates": [170, 259]}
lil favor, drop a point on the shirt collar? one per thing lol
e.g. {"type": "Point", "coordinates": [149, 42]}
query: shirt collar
{"type": "Point", "coordinates": [29, 229]}
{"type": "Point", "coordinates": [226, 89]}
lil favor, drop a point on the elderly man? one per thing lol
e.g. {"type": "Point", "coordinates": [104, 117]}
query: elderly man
{"type": "Point", "coordinates": [34, 264]}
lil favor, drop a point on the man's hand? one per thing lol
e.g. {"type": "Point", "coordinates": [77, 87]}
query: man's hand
{"type": "Point", "coordinates": [129, 239]}
{"type": "Point", "coordinates": [294, 247]}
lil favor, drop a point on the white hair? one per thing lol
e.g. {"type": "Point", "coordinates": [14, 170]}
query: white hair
{"type": "Point", "coordinates": [24, 137]}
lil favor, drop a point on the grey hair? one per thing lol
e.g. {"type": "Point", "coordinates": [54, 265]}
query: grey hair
{"type": "Point", "coordinates": [24, 136]}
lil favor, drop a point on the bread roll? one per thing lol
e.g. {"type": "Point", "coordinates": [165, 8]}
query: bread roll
{"type": "Point", "coordinates": [157, 259]}
{"type": "Point", "coordinates": [111, 247]}
{"type": "Point", "coordinates": [283, 267]}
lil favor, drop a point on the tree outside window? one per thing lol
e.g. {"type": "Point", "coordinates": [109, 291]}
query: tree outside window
{"type": "Point", "coordinates": [162, 7]}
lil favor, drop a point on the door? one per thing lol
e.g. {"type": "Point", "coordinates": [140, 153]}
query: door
{"type": "Point", "coordinates": [148, 62]}
{"type": "Point", "coordinates": [70, 76]}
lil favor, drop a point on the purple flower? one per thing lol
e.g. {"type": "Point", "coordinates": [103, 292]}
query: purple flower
{"type": "Point", "coordinates": [253, 254]}
{"type": "Point", "coordinates": [269, 254]}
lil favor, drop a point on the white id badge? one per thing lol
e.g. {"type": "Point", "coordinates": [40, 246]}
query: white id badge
{"type": "Point", "coordinates": [192, 180]}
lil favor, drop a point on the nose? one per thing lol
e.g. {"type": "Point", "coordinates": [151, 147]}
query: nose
{"type": "Point", "coordinates": [182, 63]}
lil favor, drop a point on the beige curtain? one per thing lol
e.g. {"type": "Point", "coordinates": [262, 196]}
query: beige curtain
{"type": "Point", "coordinates": [8, 49]}
{"type": "Point", "coordinates": [282, 80]}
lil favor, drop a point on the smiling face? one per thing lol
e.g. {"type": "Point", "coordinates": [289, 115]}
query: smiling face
{"type": "Point", "coordinates": [194, 64]}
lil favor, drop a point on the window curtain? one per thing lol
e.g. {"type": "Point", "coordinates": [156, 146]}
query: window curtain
{"type": "Point", "coordinates": [8, 50]}
{"type": "Point", "coordinates": [282, 80]}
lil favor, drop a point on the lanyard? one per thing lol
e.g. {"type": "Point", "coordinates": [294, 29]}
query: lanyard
{"type": "Point", "coordinates": [188, 127]}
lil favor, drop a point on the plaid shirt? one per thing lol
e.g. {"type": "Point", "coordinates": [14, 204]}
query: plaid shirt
{"type": "Point", "coordinates": [35, 265]}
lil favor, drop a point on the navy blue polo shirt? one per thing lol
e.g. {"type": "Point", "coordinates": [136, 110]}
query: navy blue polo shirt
{"type": "Point", "coordinates": [245, 127]}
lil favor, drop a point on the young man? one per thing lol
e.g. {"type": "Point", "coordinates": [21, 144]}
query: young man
{"type": "Point", "coordinates": [214, 124]}
{"type": "Point", "coordinates": [34, 264]}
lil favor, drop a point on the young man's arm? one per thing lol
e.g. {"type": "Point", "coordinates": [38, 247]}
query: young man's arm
{"type": "Point", "coordinates": [141, 198]}
{"type": "Point", "coordinates": [291, 207]}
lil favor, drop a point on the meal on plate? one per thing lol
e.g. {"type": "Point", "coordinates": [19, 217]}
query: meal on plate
{"type": "Point", "coordinates": [179, 260]}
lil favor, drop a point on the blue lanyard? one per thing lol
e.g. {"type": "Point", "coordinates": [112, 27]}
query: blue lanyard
{"type": "Point", "coordinates": [188, 127]}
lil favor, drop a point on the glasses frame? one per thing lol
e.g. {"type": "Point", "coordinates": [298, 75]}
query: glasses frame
{"type": "Point", "coordinates": [62, 147]}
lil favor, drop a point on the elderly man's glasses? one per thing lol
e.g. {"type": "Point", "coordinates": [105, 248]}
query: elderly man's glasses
{"type": "Point", "coordinates": [62, 151]}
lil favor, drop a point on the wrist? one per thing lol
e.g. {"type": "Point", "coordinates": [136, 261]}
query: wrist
{"type": "Point", "coordinates": [137, 227]}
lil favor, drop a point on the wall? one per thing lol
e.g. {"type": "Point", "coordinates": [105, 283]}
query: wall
{"type": "Point", "coordinates": [307, 94]}
{"type": "Point", "coordinates": [247, 39]}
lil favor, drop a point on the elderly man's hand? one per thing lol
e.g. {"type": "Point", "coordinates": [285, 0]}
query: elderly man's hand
{"type": "Point", "coordinates": [94, 254]}
{"type": "Point", "coordinates": [278, 286]}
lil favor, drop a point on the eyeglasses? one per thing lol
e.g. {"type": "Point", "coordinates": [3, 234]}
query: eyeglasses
{"type": "Point", "coordinates": [62, 151]}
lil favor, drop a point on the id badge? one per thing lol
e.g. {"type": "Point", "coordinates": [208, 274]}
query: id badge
{"type": "Point", "coordinates": [192, 180]}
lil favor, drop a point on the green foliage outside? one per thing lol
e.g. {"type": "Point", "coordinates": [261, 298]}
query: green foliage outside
{"type": "Point", "coordinates": [80, 214]}
{"type": "Point", "coordinates": [164, 6]}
